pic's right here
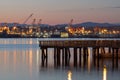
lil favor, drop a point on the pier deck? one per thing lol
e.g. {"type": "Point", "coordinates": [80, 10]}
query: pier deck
{"type": "Point", "coordinates": [79, 43]}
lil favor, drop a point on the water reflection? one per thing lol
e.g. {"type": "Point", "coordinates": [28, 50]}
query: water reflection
{"type": "Point", "coordinates": [24, 63]}
{"type": "Point", "coordinates": [30, 61]}
{"type": "Point", "coordinates": [18, 41]}
{"type": "Point", "coordinates": [16, 60]}
{"type": "Point", "coordinates": [104, 73]}
{"type": "Point", "coordinates": [5, 57]}
{"type": "Point", "coordinates": [37, 58]}
{"type": "Point", "coordinates": [89, 59]}
{"type": "Point", "coordinates": [69, 75]}
{"type": "Point", "coordinates": [88, 63]}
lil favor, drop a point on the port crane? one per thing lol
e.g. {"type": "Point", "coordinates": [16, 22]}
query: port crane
{"type": "Point", "coordinates": [39, 22]}
{"type": "Point", "coordinates": [70, 24]}
{"type": "Point", "coordinates": [22, 30]}
{"type": "Point", "coordinates": [70, 28]}
{"type": "Point", "coordinates": [28, 18]}
{"type": "Point", "coordinates": [33, 23]}
{"type": "Point", "coordinates": [34, 26]}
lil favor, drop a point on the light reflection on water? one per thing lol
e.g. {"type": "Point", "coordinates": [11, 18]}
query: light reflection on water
{"type": "Point", "coordinates": [23, 62]}
{"type": "Point", "coordinates": [69, 75]}
{"type": "Point", "coordinates": [104, 73]}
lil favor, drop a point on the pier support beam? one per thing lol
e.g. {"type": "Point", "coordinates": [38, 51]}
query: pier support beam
{"type": "Point", "coordinates": [66, 55]}
{"type": "Point", "coordinates": [58, 56]}
{"type": "Point", "coordinates": [55, 57]}
{"type": "Point", "coordinates": [117, 50]}
{"type": "Point", "coordinates": [80, 56]}
{"type": "Point", "coordinates": [63, 56]}
{"type": "Point", "coordinates": [109, 50]}
{"type": "Point", "coordinates": [98, 56]}
{"type": "Point", "coordinates": [113, 52]}
{"type": "Point", "coordinates": [44, 57]}
{"type": "Point", "coordinates": [94, 55]}
{"type": "Point", "coordinates": [84, 55]}
{"type": "Point", "coordinates": [102, 50]}
{"type": "Point", "coordinates": [75, 57]}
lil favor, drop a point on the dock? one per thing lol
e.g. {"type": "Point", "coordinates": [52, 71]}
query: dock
{"type": "Point", "coordinates": [80, 50]}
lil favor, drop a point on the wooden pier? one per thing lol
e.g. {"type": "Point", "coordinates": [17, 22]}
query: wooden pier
{"type": "Point", "coordinates": [80, 50]}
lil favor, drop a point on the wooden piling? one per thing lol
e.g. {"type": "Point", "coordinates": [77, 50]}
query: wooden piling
{"type": "Point", "coordinates": [58, 56]}
{"type": "Point", "coordinates": [55, 56]}
{"type": "Point", "coordinates": [94, 55]}
{"type": "Point", "coordinates": [75, 57]}
{"type": "Point", "coordinates": [113, 52]}
{"type": "Point", "coordinates": [66, 57]}
{"type": "Point", "coordinates": [80, 56]}
{"type": "Point", "coordinates": [44, 56]}
{"type": "Point", "coordinates": [63, 56]}
{"type": "Point", "coordinates": [117, 57]}
{"type": "Point", "coordinates": [84, 55]}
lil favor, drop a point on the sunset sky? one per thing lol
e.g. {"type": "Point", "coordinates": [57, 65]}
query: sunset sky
{"type": "Point", "coordinates": [60, 11]}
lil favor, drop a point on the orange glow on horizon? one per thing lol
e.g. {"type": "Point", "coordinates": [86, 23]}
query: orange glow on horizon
{"type": "Point", "coordinates": [59, 20]}
{"type": "Point", "coordinates": [54, 19]}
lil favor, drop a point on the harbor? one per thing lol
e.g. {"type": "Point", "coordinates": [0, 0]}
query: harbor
{"type": "Point", "coordinates": [59, 40]}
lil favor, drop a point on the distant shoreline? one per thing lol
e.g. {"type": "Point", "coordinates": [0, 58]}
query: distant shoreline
{"type": "Point", "coordinates": [58, 36]}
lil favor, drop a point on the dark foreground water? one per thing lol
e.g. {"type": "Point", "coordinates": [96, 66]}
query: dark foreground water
{"type": "Point", "coordinates": [20, 59]}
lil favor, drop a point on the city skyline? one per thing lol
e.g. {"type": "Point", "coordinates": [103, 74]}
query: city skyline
{"type": "Point", "coordinates": [62, 11]}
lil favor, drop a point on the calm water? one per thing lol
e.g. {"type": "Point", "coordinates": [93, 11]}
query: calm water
{"type": "Point", "coordinates": [20, 59]}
